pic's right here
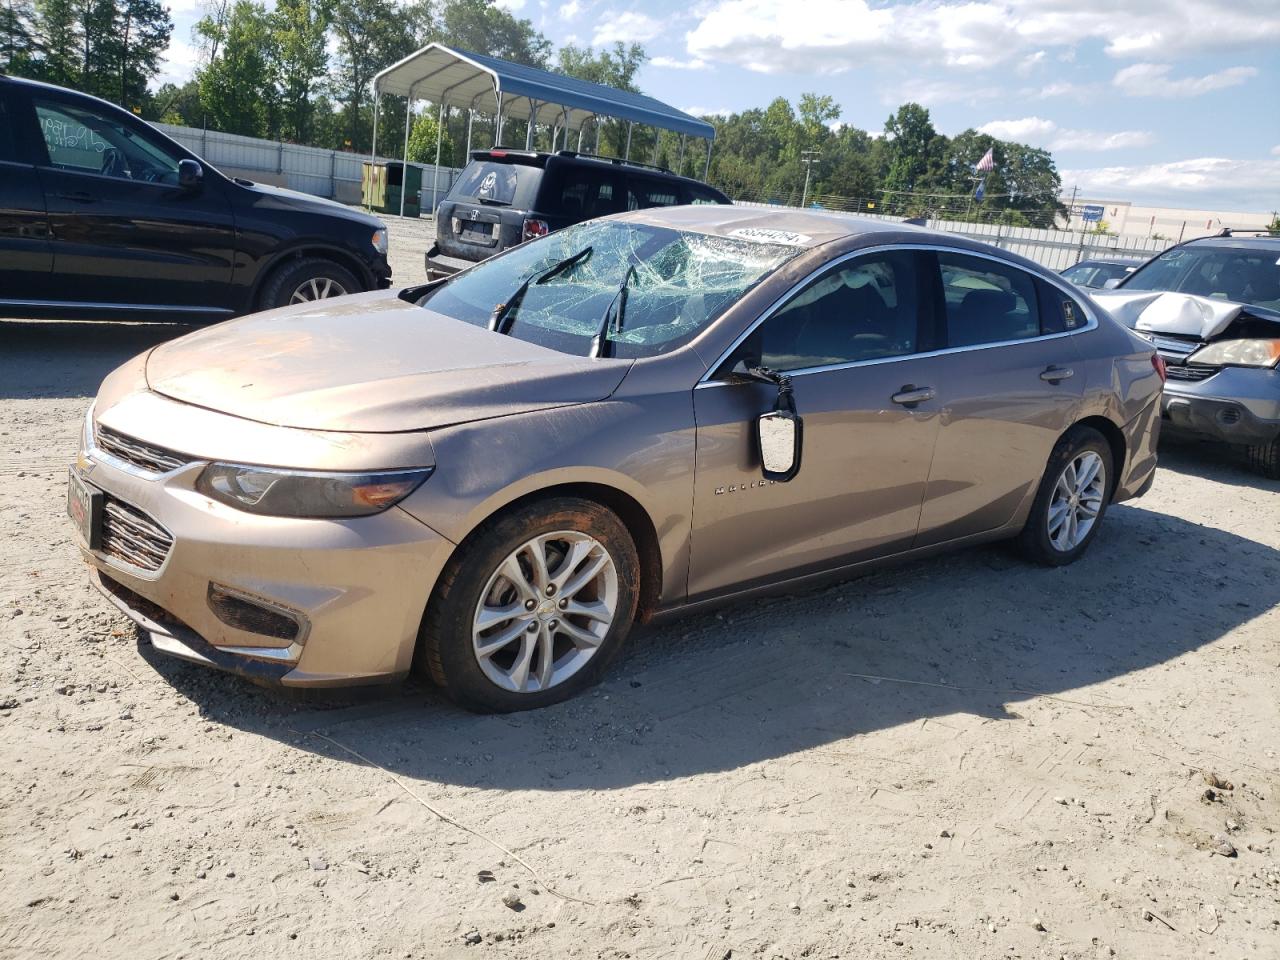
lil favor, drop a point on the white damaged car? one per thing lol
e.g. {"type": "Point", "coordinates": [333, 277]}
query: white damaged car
{"type": "Point", "coordinates": [1212, 308]}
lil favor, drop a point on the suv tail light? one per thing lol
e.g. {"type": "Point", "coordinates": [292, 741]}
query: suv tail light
{"type": "Point", "coordinates": [533, 229]}
{"type": "Point", "coordinates": [1157, 361]}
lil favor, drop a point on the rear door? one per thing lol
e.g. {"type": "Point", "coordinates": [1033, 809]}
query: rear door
{"type": "Point", "coordinates": [576, 191]}
{"type": "Point", "coordinates": [124, 233]}
{"type": "Point", "coordinates": [26, 255]}
{"type": "Point", "coordinates": [1010, 385]}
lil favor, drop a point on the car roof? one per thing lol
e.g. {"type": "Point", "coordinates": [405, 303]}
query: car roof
{"type": "Point", "coordinates": [802, 228]}
{"type": "Point", "coordinates": [1269, 244]}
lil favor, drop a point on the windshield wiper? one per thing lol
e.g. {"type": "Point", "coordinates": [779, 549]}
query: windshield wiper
{"type": "Point", "coordinates": [601, 345]}
{"type": "Point", "coordinates": [504, 313]}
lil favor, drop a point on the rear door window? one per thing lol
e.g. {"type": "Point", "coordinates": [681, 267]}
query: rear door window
{"type": "Point", "coordinates": [703, 195]}
{"type": "Point", "coordinates": [987, 301]}
{"type": "Point", "coordinates": [580, 193]}
{"type": "Point", "coordinates": [644, 192]}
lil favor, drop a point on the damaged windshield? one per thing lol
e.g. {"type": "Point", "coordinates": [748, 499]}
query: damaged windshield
{"type": "Point", "coordinates": [1238, 274]}
{"type": "Point", "coordinates": [676, 283]}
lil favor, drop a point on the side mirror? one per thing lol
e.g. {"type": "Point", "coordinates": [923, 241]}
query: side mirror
{"type": "Point", "coordinates": [779, 433]}
{"type": "Point", "coordinates": [190, 174]}
{"type": "Point", "coordinates": [1112, 283]}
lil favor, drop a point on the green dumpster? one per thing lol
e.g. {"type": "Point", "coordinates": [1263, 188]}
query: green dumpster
{"type": "Point", "coordinates": [381, 184]}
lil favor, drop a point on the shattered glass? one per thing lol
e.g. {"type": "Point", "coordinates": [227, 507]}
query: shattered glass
{"type": "Point", "coordinates": [682, 282]}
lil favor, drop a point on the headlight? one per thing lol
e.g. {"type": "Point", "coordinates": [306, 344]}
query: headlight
{"type": "Point", "coordinates": [301, 493]}
{"type": "Point", "coordinates": [1239, 353]}
{"type": "Point", "coordinates": [380, 240]}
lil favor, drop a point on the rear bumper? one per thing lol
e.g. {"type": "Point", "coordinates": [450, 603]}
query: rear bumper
{"type": "Point", "coordinates": [438, 265]}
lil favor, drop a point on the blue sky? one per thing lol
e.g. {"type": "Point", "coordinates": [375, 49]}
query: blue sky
{"type": "Point", "coordinates": [1174, 102]}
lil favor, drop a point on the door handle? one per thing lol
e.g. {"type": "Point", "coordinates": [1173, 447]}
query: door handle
{"type": "Point", "coordinates": [76, 196]}
{"type": "Point", "coordinates": [1055, 374]}
{"type": "Point", "coordinates": [911, 395]}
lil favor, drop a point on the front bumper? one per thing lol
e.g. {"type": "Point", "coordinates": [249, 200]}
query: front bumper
{"type": "Point", "coordinates": [356, 588]}
{"type": "Point", "coordinates": [1236, 405]}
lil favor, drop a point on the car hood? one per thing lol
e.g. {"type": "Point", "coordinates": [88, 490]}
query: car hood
{"type": "Point", "coordinates": [1181, 314]}
{"type": "Point", "coordinates": [370, 363]}
{"type": "Point", "coordinates": [296, 200]}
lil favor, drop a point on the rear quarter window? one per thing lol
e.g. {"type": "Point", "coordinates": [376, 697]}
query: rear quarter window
{"type": "Point", "coordinates": [643, 192]}
{"type": "Point", "coordinates": [1059, 312]}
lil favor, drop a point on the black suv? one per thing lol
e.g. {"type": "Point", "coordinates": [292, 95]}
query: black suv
{"type": "Point", "coordinates": [104, 217]}
{"type": "Point", "coordinates": [505, 197]}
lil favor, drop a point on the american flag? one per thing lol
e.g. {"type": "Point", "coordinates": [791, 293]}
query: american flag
{"type": "Point", "coordinates": [987, 163]}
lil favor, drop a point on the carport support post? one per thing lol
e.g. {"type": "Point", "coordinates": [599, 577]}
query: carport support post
{"type": "Point", "coordinates": [627, 155]}
{"type": "Point", "coordinates": [435, 177]}
{"type": "Point", "coordinates": [680, 162]}
{"type": "Point", "coordinates": [533, 118]}
{"type": "Point", "coordinates": [467, 156]}
{"type": "Point", "coordinates": [706, 170]}
{"type": "Point", "coordinates": [404, 157]}
{"type": "Point", "coordinates": [377, 102]}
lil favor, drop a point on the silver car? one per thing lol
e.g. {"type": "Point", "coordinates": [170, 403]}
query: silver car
{"type": "Point", "coordinates": [492, 477]}
{"type": "Point", "coordinates": [1211, 307]}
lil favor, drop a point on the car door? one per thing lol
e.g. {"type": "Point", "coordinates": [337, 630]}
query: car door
{"type": "Point", "coordinates": [124, 232]}
{"type": "Point", "coordinates": [26, 256]}
{"type": "Point", "coordinates": [851, 340]}
{"type": "Point", "coordinates": [1010, 386]}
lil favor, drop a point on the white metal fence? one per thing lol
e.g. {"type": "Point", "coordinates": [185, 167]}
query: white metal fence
{"type": "Point", "coordinates": [325, 173]}
{"type": "Point", "coordinates": [1055, 249]}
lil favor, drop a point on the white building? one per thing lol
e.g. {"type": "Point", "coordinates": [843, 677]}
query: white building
{"type": "Point", "coordinates": [1127, 219]}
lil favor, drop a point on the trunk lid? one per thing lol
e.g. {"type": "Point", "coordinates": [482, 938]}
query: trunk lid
{"type": "Point", "coordinates": [371, 363]}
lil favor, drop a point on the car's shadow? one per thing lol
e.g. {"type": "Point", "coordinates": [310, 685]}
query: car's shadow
{"type": "Point", "coordinates": [1220, 462]}
{"type": "Point", "coordinates": [972, 633]}
{"type": "Point", "coordinates": [64, 358]}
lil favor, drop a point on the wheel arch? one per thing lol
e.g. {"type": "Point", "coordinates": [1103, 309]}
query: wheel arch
{"type": "Point", "coordinates": [301, 250]}
{"type": "Point", "coordinates": [1115, 440]}
{"type": "Point", "coordinates": [628, 509]}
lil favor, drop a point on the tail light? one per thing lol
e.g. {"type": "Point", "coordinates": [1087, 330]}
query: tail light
{"type": "Point", "coordinates": [1162, 371]}
{"type": "Point", "coordinates": [533, 229]}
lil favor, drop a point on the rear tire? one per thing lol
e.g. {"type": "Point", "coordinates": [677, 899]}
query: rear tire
{"type": "Point", "coordinates": [1265, 458]}
{"type": "Point", "coordinates": [304, 280]}
{"type": "Point", "coordinates": [563, 648]}
{"type": "Point", "coordinates": [1068, 511]}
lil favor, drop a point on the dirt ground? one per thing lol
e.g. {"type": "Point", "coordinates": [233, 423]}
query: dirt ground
{"type": "Point", "coordinates": [961, 758]}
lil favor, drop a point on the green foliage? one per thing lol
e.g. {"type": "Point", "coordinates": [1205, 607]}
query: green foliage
{"type": "Point", "coordinates": [18, 49]}
{"type": "Point", "coordinates": [422, 142]}
{"type": "Point", "coordinates": [616, 68]}
{"type": "Point", "coordinates": [298, 28]}
{"type": "Point", "coordinates": [237, 94]}
{"type": "Point", "coordinates": [1273, 227]}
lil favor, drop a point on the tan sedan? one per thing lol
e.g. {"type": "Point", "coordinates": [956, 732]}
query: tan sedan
{"type": "Point", "coordinates": [492, 477]}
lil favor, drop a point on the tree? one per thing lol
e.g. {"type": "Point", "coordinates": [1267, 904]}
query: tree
{"type": "Point", "coordinates": [482, 26]}
{"type": "Point", "coordinates": [371, 34]}
{"type": "Point", "coordinates": [139, 38]}
{"type": "Point", "coordinates": [58, 36]}
{"type": "Point", "coordinates": [422, 141]}
{"type": "Point", "coordinates": [615, 68]}
{"type": "Point", "coordinates": [236, 88]}
{"type": "Point", "coordinates": [17, 35]}
{"type": "Point", "coordinates": [299, 28]}
{"type": "Point", "coordinates": [914, 155]}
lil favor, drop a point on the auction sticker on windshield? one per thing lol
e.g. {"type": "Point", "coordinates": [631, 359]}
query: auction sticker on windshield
{"type": "Point", "coordinates": [763, 235]}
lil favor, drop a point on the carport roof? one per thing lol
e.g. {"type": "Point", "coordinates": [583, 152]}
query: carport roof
{"type": "Point", "coordinates": [458, 78]}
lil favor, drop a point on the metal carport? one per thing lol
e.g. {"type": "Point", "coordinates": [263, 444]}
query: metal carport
{"type": "Point", "coordinates": [512, 91]}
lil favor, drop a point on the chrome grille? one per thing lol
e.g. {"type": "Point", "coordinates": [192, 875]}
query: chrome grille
{"type": "Point", "coordinates": [132, 537]}
{"type": "Point", "coordinates": [144, 455]}
{"type": "Point", "coordinates": [1192, 374]}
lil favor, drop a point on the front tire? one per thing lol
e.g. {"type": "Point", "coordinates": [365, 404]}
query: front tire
{"type": "Point", "coordinates": [1265, 458]}
{"type": "Point", "coordinates": [533, 607]}
{"type": "Point", "coordinates": [305, 280]}
{"type": "Point", "coordinates": [1072, 500]}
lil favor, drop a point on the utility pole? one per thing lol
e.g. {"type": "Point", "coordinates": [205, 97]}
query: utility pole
{"type": "Point", "coordinates": [807, 157]}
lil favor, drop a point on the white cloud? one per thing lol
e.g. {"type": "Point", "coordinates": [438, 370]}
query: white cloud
{"type": "Point", "coordinates": [626, 27]}
{"type": "Point", "coordinates": [1246, 184]}
{"type": "Point", "coordinates": [934, 92]}
{"type": "Point", "coordinates": [674, 63]}
{"type": "Point", "coordinates": [770, 36]}
{"type": "Point", "coordinates": [512, 6]}
{"type": "Point", "coordinates": [179, 62]}
{"type": "Point", "coordinates": [1152, 80]}
{"type": "Point", "coordinates": [1030, 62]}
{"type": "Point", "coordinates": [1039, 132]}
{"type": "Point", "coordinates": [570, 10]}
{"type": "Point", "coordinates": [1275, 151]}
{"type": "Point", "coordinates": [708, 111]}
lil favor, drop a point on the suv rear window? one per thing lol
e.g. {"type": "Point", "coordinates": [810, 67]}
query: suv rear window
{"type": "Point", "coordinates": [489, 181]}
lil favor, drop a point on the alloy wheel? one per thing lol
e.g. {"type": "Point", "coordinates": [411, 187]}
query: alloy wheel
{"type": "Point", "coordinates": [545, 611]}
{"type": "Point", "coordinates": [1076, 501]}
{"type": "Point", "coordinates": [317, 288]}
